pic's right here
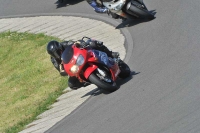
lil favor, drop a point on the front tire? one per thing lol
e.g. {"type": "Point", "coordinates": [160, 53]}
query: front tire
{"type": "Point", "coordinates": [102, 84]}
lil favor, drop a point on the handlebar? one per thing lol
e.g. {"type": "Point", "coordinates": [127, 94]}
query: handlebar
{"type": "Point", "coordinates": [85, 37]}
{"type": "Point", "coordinates": [83, 43]}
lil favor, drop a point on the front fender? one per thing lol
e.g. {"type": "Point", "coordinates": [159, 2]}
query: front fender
{"type": "Point", "coordinates": [89, 70]}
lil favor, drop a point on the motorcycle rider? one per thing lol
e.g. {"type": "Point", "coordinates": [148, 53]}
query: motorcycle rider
{"type": "Point", "coordinates": [98, 7]}
{"type": "Point", "coordinates": [55, 49]}
{"type": "Point", "coordinates": [96, 4]}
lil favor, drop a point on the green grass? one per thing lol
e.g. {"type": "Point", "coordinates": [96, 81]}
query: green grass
{"type": "Point", "coordinates": [28, 81]}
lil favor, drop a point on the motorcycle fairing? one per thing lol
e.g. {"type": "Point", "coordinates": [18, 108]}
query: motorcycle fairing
{"type": "Point", "coordinates": [102, 58]}
{"type": "Point", "coordinates": [90, 70]}
{"type": "Point", "coordinates": [69, 58]}
{"type": "Point", "coordinates": [97, 57]}
{"type": "Point", "coordinates": [114, 6]}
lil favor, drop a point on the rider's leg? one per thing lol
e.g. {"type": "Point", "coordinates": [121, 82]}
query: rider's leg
{"type": "Point", "coordinates": [98, 45]}
{"type": "Point", "coordinates": [97, 8]}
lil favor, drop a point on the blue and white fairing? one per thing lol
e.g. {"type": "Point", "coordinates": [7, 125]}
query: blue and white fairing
{"type": "Point", "coordinates": [103, 58]}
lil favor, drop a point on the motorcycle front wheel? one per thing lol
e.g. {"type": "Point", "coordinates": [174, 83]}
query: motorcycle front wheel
{"type": "Point", "coordinates": [108, 86]}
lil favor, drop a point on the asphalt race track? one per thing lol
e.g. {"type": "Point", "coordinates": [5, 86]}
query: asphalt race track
{"type": "Point", "coordinates": [163, 93]}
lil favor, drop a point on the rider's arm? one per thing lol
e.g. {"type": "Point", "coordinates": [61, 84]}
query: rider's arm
{"type": "Point", "coordinates": [95, 43]}
{"type": "Point", "coordinates": [59, 66]}
{"type": "Point", "coordinates": [66, 43]}
{"type": "Point", "coordinates": [55, 63]}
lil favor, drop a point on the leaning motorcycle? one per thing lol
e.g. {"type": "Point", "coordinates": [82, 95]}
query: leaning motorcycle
{"type": "Point", "coordinates": [93, 66]}
{"type": "Point", "coordinates": [128, 8]}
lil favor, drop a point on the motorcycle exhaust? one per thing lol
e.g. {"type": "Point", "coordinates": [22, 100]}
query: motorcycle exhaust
{"type": "Point", "coordinates": [131, 9]}
{"type": "Point", "coordinates": [138, 10]}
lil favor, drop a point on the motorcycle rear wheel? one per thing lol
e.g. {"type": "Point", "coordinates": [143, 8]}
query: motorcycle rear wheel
{"type": "Point", "coordinates": [125, 70]}
{"type": "Point", "coordinates": [134, 8]}
{"type": "Point", "coordinates": [103, 84]}
{"type": "Point", "coordinates": [60, 1]}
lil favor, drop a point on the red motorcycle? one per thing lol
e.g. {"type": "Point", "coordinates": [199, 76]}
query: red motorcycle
{"type": "Point", "coordinates": [93, 66]}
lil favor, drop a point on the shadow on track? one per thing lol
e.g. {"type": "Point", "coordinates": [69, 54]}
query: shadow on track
{"type": "Point", "coordinates": [64, 3]}
{"type": "Point", "coordinates": [97, 91]}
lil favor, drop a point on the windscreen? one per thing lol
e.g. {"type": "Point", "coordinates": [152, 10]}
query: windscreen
{"type": "Point", "coordinates": [67, 54]}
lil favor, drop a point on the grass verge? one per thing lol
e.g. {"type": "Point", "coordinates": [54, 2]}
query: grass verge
{"type": "Point", "coordinates": [28, 81]}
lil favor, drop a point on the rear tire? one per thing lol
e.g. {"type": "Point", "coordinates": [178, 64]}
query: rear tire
{"type": "Point", "coordinates": [134, 8]}
{"type": "Point", "coordinates": [60, 1]}
{"type": "Point", "coordinates": [102, 84]}
{"type": "Point", "coordinates": [125, 70]}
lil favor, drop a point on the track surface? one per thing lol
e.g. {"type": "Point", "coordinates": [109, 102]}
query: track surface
{"type": "Point", "coordinates": [163, 94]}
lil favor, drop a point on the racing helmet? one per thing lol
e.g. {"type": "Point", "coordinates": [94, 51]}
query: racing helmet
{"type": "Point", "coordinates": [54, 49]}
